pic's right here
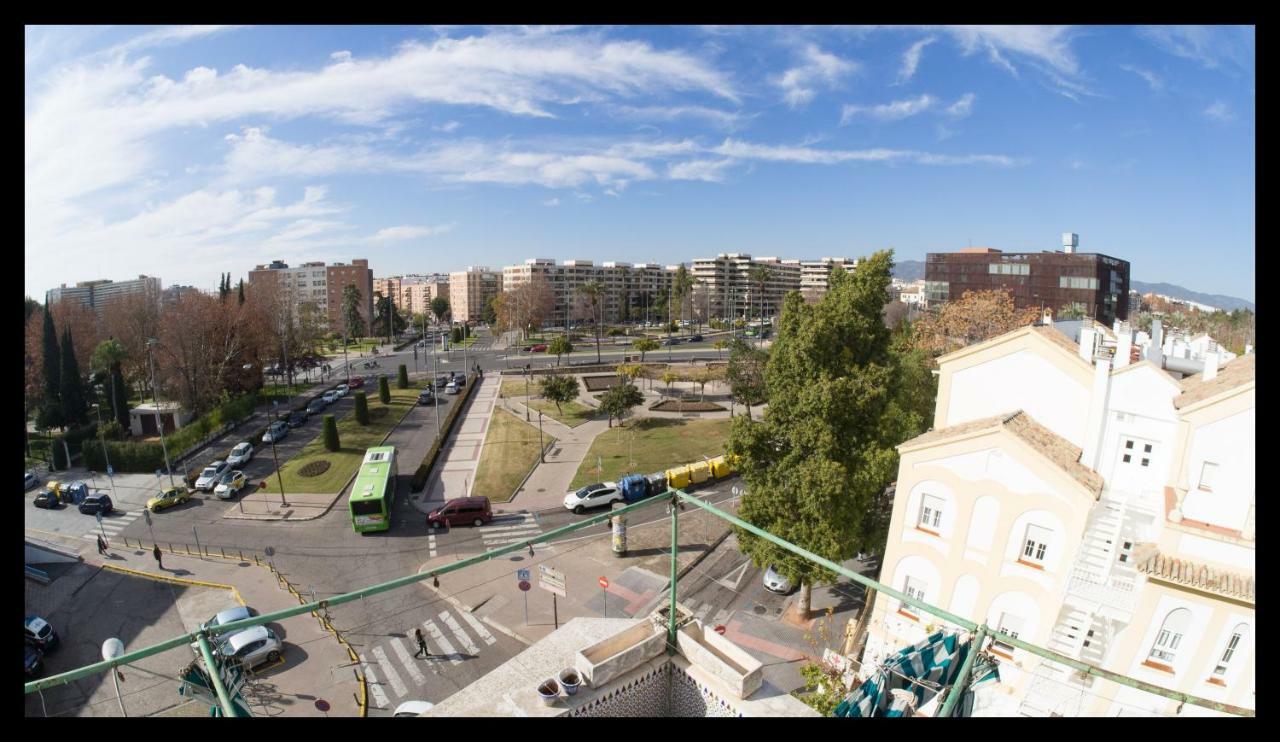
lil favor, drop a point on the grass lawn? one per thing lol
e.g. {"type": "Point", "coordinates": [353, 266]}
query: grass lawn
{"type": "Point", "coordinates": [516, 388]}
{"type": "Point", "coordinates": [355, 438]}
{"type": "Point", "coordinates": [660, 443]}
{"type": "Point", "coordinates": [510, 452]}
{"type": "Point", "coordinates": [575, 413]}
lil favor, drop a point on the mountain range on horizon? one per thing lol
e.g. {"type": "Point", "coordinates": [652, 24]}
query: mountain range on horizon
{"type": "Point", "coordinates": [913, 270]}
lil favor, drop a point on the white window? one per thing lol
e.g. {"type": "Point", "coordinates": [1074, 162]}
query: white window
{"type": "Point", "coordinates": [1009, 624]}
{"type": "Point", "coordinates": [1035, 544]}
{"type": "Point", "coordinates": [1175, 625]}
{"type": "Point", "coordinates": [1237, 635]}
{"type": "Point", "coordinates": [914, 588]}
{"type": "Point", "coordinates": [930, 512]}
{"type": "Point", "coordinates": [1207, 473]}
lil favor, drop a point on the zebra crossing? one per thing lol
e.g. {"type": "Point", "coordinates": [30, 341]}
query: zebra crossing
{"type": "Point", "coordinates": [112, 525]}
{"type": "Point", "coordinates": [704, 610]}
{"type": "Point", "coordinates": [505, 530]}
{"type": "Point", "coordinates": [393, 672]}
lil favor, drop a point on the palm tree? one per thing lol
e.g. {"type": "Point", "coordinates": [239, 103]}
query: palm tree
{"type": "Point", "coordinates": [760, 275]}
{"type": "Point", "coordinates": [592, 291]}
{"type": "Point", "coordinates": [681, 285]}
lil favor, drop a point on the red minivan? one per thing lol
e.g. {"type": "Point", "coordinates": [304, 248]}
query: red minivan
{"type": "Point", "coordinates": [461, 511]}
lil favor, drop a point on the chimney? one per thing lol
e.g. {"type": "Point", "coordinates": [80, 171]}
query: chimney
{"type": "Point", "coordinates": [1070, 240]}
{"type": "Point", "coordinates": [1210, 365]}
{"type": "Point", "coordinates": [1047, 317]}
{"type": "Point", "coordinates": [1095, 423]}
{"type": "Point", "coordinates": [1124, 344]}
{"type": "Point", "coordinates": [1087, 335]}
{"type": "Point", "coordinates": [1155, 351]}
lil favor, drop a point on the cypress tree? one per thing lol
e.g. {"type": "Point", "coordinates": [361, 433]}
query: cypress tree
{"type": "Point", "coordinates": [242, 291]}
{"type": "Point", "coordinates": [51, 406]}
{"type": "Point", "coordinates": [331, 442]}
{"type": "Point", "coordinates": [402, 377]}
{"type": "Point", "coordinates": [120, 390]}
{"type": "Point", "coordinates": [384, 391]}
{"type": "Point", "coordinates": [75, 409]}
{"type": "Point", "coordinates": [362, 408]}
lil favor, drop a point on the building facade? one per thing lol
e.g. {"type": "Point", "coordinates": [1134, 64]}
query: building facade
{"type": "Point", "coordinates": [733, 291]}
{"type": "Point", "coordinates": [470, 291]}
{"type": "Point", "coordinates": [1089, 503]}
{"type": "Point", "coordinates": [413, 293]}
{"type": "Point", "coordinates": [1096, 285]}
{"type": "Point", "coordinates": [815, 275]}
{"type": "Point", "coordinates": [628, 290]}
{"type": "Point", "coordinates": [96, 295]}
{"type": "Point", "coordinates": [320, 286]}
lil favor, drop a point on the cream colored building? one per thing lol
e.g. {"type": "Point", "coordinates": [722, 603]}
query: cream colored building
{"type": "Point", "coordinates": [815, 275]}
{"type": "Point", "coordinates": [628, 290]}
{"type": "Point", "coordinates": [1105, 513]}
{"type": "Point", "coordinates": [470, 291]}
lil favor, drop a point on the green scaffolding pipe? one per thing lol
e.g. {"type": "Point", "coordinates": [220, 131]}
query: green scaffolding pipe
{"type": "Point", "coordinates": [957, 687]}
{"type": "Point", "coordinates": [675, 551]}
{"type": "Point", "coordinates": [215, 677]}
{"type": "Point", "coordinates": [966, 624]}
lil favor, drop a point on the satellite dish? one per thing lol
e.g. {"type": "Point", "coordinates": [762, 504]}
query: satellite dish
{"type": "Point", "coordinates": [112, 648]}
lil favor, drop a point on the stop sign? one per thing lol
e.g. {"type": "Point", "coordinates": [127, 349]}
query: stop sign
{"type": "Point", "coordinates": [604, 582]}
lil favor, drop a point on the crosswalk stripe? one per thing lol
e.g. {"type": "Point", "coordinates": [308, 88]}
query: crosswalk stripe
{"type": "Point", "coordinates": [505, 541]}
{"type": "Point", "coordinates": [379, 698]}
{"type": "Point", "coordinates": [479, 628]}
{"type": "Point", "coordinates": [431, 542]}
{"type": "Point", "coordinates": [521, 527]}
{"type": "Point", "coordinates": [384, 664]}
{"type": "Point", "coordinates": [443, 642]}
{"type": "Point", "coordinates": [702, 612]}
{"type": "Point", "coordinates": [721, 615]}
{"type": "Point", "coordinates": [465, 640]}
{"type": "Point", "coordinates": [407, 659]}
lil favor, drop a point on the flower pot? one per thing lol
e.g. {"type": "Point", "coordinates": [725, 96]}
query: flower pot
{"type": "Point", "coordinates": [570, 679]}
{"type": "Point", "coordinates": [549, 691]}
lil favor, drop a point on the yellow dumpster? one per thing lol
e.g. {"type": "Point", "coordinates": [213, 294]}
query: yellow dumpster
{"type": "Point", "coordinates": [732, 461]}
{"type": "Point", "coordinates": [678, 478]}
{"type": "Point", "coordinates": [699, 472]}
{"type": "Point", "coordinates": [719, 467]}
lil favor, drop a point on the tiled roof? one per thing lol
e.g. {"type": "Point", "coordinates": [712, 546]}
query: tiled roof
{"type": "Point", "coordinates": [1195, 389]}
{"type": "Point", "coordinates": [1055, 336]}
{"type": "Point", "coordinates": [1149, 560]}
{"type": "Point", "coordinates": [1046, 442]}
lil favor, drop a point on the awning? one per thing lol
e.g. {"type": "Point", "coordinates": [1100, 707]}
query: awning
{"type": "Point", "coordinates": [922, 669]}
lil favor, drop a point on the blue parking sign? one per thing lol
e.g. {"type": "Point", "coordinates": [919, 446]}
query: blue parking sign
{"type": "Point", "coordinates": [522, 575]}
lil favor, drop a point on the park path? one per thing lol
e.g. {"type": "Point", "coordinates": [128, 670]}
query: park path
{"type": "Point", "coordinates": [455, 471]}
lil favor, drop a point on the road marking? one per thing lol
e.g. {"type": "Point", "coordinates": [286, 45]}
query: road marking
{"type": "Point", "coordinates": [702, 612]}
{"type": "Point", "coordinates": [519, 527]}
{"type": "Point", "coordinates": [384, 663]}
{"type": "Point", "coordinates": [463, 638]}
{"type": "Point", "coordinates": [408, 660]}
{"type": "Point", "coordinates": [733, 585]}
{"type": "Point", "coordinates": [479, 628]}
{"type": "Point", "coordinates": [443, 642]}
{"type": "Point", "coordinates": [431, 542]}
{"type": "Point", "coordinates": [505, 541]}
{"type": "Point", "coordinates": [379, 698]}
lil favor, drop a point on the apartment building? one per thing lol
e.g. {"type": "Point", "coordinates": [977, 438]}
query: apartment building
{"type": "Point", "coordinates": [629, 290]}
{"type": "Point", "coordinates": [96, 295]}
{"type": "Point", "coordinates": [1084, 501]}
{"type": "Point", "coordinates": [470, 290]}
{"type": "Point", "coordinates": [815, 275]}
{"type": "Point", "coordinates": [727, 278]}
{"type": "Point", "coordinates": [413, 293]}
{"type": "Point", "coordinates": [1095, 284]}
{"type": "Point", "coordinates": [320, 285]}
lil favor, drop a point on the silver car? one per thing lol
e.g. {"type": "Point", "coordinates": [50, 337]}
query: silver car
{"type": "Point", "coordinates": [237, 613]}
{"type": "Point", "coordinates": [776, 583]}
{"type": "Point", "coordinates": [209, 477]}
{"type": "Point", "coordinates": [251, 647]}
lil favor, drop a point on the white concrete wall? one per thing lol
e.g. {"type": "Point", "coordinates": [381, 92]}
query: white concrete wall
{"type": "Point", "coordinates": [1020, 381]}
{"type": "Point", "coordinates": [1230, 444]}
{"type": "Point", "coordinates": [1199, 548]}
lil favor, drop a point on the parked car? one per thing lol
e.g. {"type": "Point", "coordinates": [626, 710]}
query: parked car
{"type": "Point", "coordinates": [168, 498]}
{"type": "Point", "coordinates": [452, 388]}
{"type": "Point", "coordinates": [277, 432]}
{"type": "Point", "coordinates": [671, 341]}
{"type": "Point", "coordinates": [776, 583]}
{"type": "Point", "coordinates": [32, 480]}
{"type": "Point", "coordinates": [357, 382]}
{"type": "Point", "coordinates": [95, 504]}
{"type": "Point", "coordinates": [316, 406]}
{"type": "Point", "coordinates": [40, 634]}
{"type": "Point", "coordinates": [34, 661]}
{"type": "Point", "coordinates": [209, 476]}
{"type": "Point", "coordinates": [695, 339]}
{"type": "Point", "coordinates": [48, 498]}
{"type": "Point", "coordinates": [235, 613]}
{"type": "Point", "coordinates": [241, 454]}
{"type": "Point", "coordinates": [296, 419]}
{"type": "Point", "coordinates": [441, 381]}
{"type": "Point", "coordinates": [539, 348]}
{"type": "Point", "coordinates": [426, 397]}
{"type": "Point", "coordinates": [461, 510]}
{"type": "Point", "coordinates": [230, 485]}
{"type": "Point", "coordinates": [342, 390]}
{"type": "Point", "coordinates": [592, 496]}
{"type": "Point", "coordinates": [251, 647]}
{"type": "Point", "coordinates": [460, 380]}
{"type": "Point", "coordinates": [413, 708]}
{"type": "Point", "coordinates": [331, 396]}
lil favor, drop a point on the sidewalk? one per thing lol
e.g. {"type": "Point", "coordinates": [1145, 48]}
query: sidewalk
{"type": "Point", "coordinates": [455, 470]}
{"type": "Point", "coordinates": [263, 505]}
{"type": "Point", "coordinates": [547, 485]}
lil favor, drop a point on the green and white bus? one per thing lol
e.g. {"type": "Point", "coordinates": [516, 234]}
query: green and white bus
{"type": "Point", "coordinates": [374, 491]}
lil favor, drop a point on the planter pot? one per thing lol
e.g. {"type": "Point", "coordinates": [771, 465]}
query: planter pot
{"type": "Point", "coordinates": [549, 691]}
{"type": "Point", "coordinates": [570, 679]}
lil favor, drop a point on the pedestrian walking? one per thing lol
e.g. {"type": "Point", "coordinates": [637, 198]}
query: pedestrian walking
{"type": "Point", "coordinates": [155, 552]}
{"type": "Point", "coordinates": [422, 645]}
{"type": "Point", "coordinates": [102, 546]}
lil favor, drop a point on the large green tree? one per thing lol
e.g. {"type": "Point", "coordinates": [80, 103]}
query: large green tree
{"type": "Point", "coordinates": [745, 374]}
{"type": "Point", "coordinates": [644, 345]}
{"type": "Point", "coordinates": [108, 358]}
{"type": "Point", "coordinates": [560, 345]}
{"type": "Point", "coordinates": [351, 312]}
{"type": "Point", "coordinates": [618, 401]}
{"type": "Point", "coordinates": [559, 389]}
{"type": "Point", "coordinates": [50, 415]}
{"type": "Point", "coordinates": [75, 408]}
{"type": "Point", "coordinates": [439, 307]}
{"type": "Point", "coordinates": [825, 450]}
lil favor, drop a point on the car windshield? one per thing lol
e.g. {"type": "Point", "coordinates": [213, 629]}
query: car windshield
{"type": "Point", "coordinates": [241, 449]}
{"type": "Point", "coordinates": [585, 491]}
{"type": "Point", "coordinates": [209, 472]}
{"type": "Point", "coordinates": [229, 477]}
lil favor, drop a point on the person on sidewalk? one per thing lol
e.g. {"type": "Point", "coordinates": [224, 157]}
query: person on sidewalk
{"type": "Point", "coordinates": [422, 644]}
{"type": "Point", "coordinates": [155, 552]}
{"type": "Point", "coordinates": [102, 546]}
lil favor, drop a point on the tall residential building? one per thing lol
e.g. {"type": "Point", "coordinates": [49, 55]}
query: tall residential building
{"type": "Point", "coordinates": [729, 281]}
{"type": "Point", "coordinates": [628, 290]}
{"type": "Point", "coordinates": [1095, 284]}
{"type": "Point", "coordinates": [320, 285]}
{"type": "Point", "coordinates": [1086, 501]}
{"type": "Point", "coordinates": [96, 295]}
{"type": "Point", "coordinates": [470, 291]}
{"type": "Point", "coordinates": [815, 275]}
{"type": "Point", "coordinates": [413, 293]}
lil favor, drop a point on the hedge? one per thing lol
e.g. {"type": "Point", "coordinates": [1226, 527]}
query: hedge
{"type": "Point", "coordinates": [384, 391]}
{"type": "Point", "coordinates": [75, 438]}
{"type": "Point", "coordinates": [362, 408]}
{"type": "Point", "coordinates": [205, 425]}
{"type": "Point", "coordinates": [142, 458]}
{"type": "Point", "coordinates": [420, 476]}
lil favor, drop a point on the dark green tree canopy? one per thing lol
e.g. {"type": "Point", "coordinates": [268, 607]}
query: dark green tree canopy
{"type": "Point", "coordinates": [50, 415]}
{"type": "Point", "coordinates": [559, 389]}
{"type": "Point", "coordinates": [75, 408]}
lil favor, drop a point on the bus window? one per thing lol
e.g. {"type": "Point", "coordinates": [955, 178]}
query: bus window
{"type": "Point", "coordinates": [366, 507]}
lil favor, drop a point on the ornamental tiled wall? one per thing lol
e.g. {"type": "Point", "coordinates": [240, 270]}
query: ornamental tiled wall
{"type": "Point", "coordinates": [665, 690]}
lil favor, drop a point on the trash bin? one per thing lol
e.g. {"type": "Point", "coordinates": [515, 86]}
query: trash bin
{"type": "Point", "coordinates": [619, 531]}
{"type": "Point", "coordinates": [678, 478]}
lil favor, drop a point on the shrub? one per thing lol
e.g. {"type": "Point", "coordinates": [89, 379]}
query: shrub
{"type": "Point", "coordinates": [456, 335]}
{"type": "Point", "coordinates": [402, 377]}
{"type": "Point", "coordinates": [331, 433]}
{"type": "Point", "coordinates": [384, 391]}
{"type": "Point", "coordinates": [362, 408]}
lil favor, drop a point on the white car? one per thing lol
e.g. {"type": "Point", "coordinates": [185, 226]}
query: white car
{"type": "Point", "coordinates": [241, 454]}
{"type": "Point", "coordinates": [251, 647]}
{"type": "Point", "coordinates": [230, 484]}
{"type": "Point", "coordinates": [331, 396]}
{"type": "Point", "coordinates": [776, 583]}
{"type": "Point", "coordinates": [342, 390]}
{"type": "Point", "coordinates": [209, 476]}
{"type": "Point", "coordinates": [451, 388]}
{"type": "Point", "coordinates": [413, 708]}
{"type": "Point", "coordinates": [592, 496]}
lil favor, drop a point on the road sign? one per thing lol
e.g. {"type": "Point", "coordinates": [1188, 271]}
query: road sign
{"type": "Point", "coordinates": [552, 580]}
{"type": "Point", "coordinates": [110, 472]}
{"type": "Point", "coordinates": [322, 705]}
{"type": "Point", "coordinates": [147, 514]}
{"type": "Point", "coordinates": [604, 582]}
{"type": "Point", "coordinates": [98, 515]}
{"type": "Point", "coordinates": [522, 575]}
{"type": "Point", "coordinates": [524, 586]}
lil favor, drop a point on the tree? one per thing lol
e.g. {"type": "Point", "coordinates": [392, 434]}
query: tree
{"type": "Point", "coordinates": [559, 389]}
{"type": "Point", "coordinates": [489, 314]}
{"type": "Point", "coordinates": [644, 345]}
{"type": "Point", "coordinates": [618, 401]}
{"type": "Point", "coordinates": [224, 286]}
{"type": "Point", "coordinates": [560, 346]}
{"type": "Point", "coordinates": [745, 373]}
{"type": "Point", "coordinates": [50, 414]}
{"type": "Point", "coordinates": [387, 316]}
{"type": "Point", "coordinates": [75, 408]}
{"type": "Point", "coordinates": [681, 285]}
{"type": "Point", "coordinates": [30, 305]}
{"type": "Point", "coordinates": [702, 376]}
{"type": "Point", "coordinates": [351, 312]}
{"type": "Point", "coordinates": [629, 371]}
{"type": "Point", "coordinates": [362, 408]}
{"type": "Point", "coordinates": [455, 335]}
{"type": "Point", "coordinates": [384, 390]}
{"type": "Point", "coordinates": [331, 442]}
{"type": "Point", "coordinates": [241, 299]}
{"type": "Point", "coordinates": [107, 359]}
{"type": "Point", "coordinates": [525, 305]}
{"type": "Point", "coordinates": [760, 276]}
{"type": "Point", "coordinates": [402, 377]}
{"type": "Point", "coordinates": [668, 377]}
{"type": "Point", "coordinates": [720, 345]}
{"type": "Point", "coordinates": [974, 317]}
{"type": "Point", "coordinates": [593, 291]}
{"type": "Point", "coordinates": [119, 396]}
{"type": "Point", "coordinates": [439, 307]}
{"type": "Point", "coordinates": [825, 449]}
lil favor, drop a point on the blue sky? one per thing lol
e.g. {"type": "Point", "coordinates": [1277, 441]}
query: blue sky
{"type": "Point", "coordinates": [186, 152]}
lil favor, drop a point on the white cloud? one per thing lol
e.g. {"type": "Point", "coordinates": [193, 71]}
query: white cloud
{"type": "Point", "coordinates": [405, 232]}
{"type": "Point", "coordinates": [1152, 79]}
{"type": "Point", "coordinates": [447, 127]}
{"type": "Point", "coordinates": [963, 107]}
{"type": "Point", "coordinates": [818, 68]}
{"type": "Point", "coordinates": [713, 116]}
{"type": "Point", "coordinates": [711, 171]}
{"type": "Point", "coordinates": [551, 202]}
{"type": "Point", "coordinates": [809, 155]}
{"type": "Point", "coordinates": [901, 109]}
{"type": "Point", "coordinates": [911, 59]}
{"type": "Point", "coordinates": [1213, 47]}
{"type": "Point", "coordinates": [166, 36]}
{"type": "Point", "coordinates": [1047, 44]}
{"type": "Point", "coordinates": [1220, 111]}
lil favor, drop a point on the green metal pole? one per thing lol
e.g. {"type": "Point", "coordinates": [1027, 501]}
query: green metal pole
{"type": "Point", "coordinates": [957, 687]}
{"type": "Point", "coordinates": [675, 551]}
{"type": "Point", "coordinates": [215, 676]}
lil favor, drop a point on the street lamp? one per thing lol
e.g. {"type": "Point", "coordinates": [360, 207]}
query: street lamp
{"type": "Point", "coordinates": [525, 372]}
{"type": "Point", "coordinates": [276, 459]}
{"type": "Point", "coordinates": [111, 649]}
{"type": "Point", "coordinates": [541, 446]}
{"type": "Point", "coordinates": [151, 342]}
